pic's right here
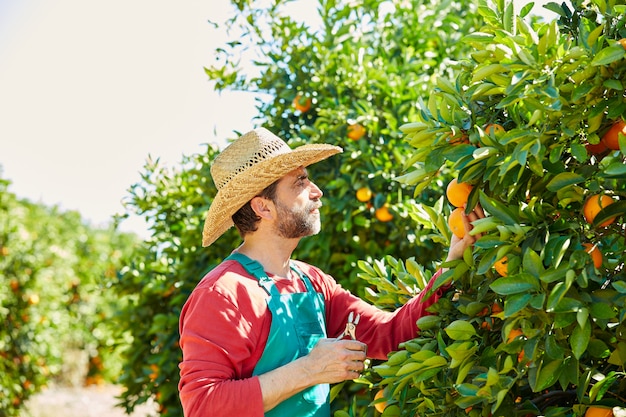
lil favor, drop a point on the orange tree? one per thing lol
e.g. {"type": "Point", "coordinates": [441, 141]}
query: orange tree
{"type": "Point", "coordinates": [351, 82]}
{"type": "Point", "coordinates": [55, 311]}
{"type": "Point", "coordinates": [543, 334]}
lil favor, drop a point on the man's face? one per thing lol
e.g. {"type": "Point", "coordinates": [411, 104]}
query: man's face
{"type": "Point", "coordinates": [297, 204]}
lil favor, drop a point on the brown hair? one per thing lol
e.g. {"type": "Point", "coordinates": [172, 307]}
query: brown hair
{"type": "Point", "coordinates": [245, 218]}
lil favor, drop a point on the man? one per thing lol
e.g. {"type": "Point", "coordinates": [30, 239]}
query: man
{"type": "Point", "coordinates": [259, 333]}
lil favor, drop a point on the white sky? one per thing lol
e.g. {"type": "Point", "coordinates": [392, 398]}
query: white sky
{"type": "Point", "coordinates": [89, 89]}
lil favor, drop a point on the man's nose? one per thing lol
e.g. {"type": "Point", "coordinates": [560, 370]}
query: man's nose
{"type": "Point", "coordinates": [316, 192]}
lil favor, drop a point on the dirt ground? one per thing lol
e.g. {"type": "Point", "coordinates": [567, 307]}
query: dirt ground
{"type": "Point", "coordinates": [92, 401]}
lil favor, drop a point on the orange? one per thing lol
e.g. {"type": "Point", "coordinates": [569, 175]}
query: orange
{"type": "Point", "coordinates": [501, 266]}
{"type": "Point", "coordinates": [456, 140]}
{"type": "Point", "coordinates": [594, 204]}
{"type": "Point", "coordinates": [494, 129]}
{"type": "Point", "coordinates": [455, 221]}
{"type": "Point", "coordinates": [458, 192]}
{"type": "Point", "coordinates": [594, 411]}
{"type": "Point", "coordinates": [595, 253]}
{"type": "Point", "coordinates": [356, 131]}
{"type": "Point", "coordinates": [496, 309]}
{"type": "Point", "coordinates": [383, 214]}
{"type": "Point", "coordinates": [596, 149]}
{"type": "Point", "coordinates": [611, 137]}
{"type": "Point", "coordinates": [513, 334]}
{"type": "Point", "coordinates": [380, 407]}
{"type": "Point", "coordinates": [302, 103]}
{"type": "Point", "coordinates": [622, 42]}
{"type": "Point", "coordinates": [363, 194]}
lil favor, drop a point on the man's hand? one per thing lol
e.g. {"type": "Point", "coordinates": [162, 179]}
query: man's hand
{"type": "Point", "coordinates": [330, 361]}
{"type": "Point", "coordinates": [457, 245]}
{"type": "Point", "coordinates": [333, 361]}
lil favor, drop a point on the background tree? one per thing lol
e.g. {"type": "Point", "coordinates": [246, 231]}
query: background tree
{"type": "Point", "coordinates": [56, 313]}
{"type": "Point", "coordinates": [351, 82]}
{"type": "Point", "coordinates": [537, 324]}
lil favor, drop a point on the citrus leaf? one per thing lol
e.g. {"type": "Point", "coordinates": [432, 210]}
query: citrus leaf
{"type": "Point", "coordinates": [515, 284]}
{"type": "Point", "coordinates": [460, 330]}
{"type": "Point", "coordinates": [579, 340]}
{"type": "Point", "coordinates": [608, 55]}
{"type": "Point", "coordinates": [563, 180]}
{"type": "Point", "coordinates": [548, 375]}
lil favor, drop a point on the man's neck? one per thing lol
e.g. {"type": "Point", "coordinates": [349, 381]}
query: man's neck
{"type": "Point", "coordinates": [273, 255]}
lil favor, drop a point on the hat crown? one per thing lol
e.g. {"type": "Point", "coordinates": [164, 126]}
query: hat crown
{"type": "Point", "coordinates": [250, 149]}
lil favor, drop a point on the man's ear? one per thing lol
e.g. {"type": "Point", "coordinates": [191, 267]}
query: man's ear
{"type": "Point", "coordinates": [263, 207]}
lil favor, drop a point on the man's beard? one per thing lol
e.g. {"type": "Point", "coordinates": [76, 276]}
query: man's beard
{"type": "Point", "coordinates": [293, 223]}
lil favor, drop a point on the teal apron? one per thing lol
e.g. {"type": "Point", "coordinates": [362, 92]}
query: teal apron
{"type": "Point", "coordinates": [298, 323]}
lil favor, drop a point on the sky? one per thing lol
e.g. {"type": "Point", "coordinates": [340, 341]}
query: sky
{"type": "Point", "coordinates": [90, 90]}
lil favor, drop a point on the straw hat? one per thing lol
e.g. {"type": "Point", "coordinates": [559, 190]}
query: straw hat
{"type": "Point", "coordinates": [246, 167]}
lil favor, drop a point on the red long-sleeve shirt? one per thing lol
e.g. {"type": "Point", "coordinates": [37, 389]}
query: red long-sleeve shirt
{"type": "Point", "coordinates": [225, 324]}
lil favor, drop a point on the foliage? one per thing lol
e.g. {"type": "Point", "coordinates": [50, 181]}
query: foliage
{"type": "Point", "coordinates": [365, 64]}
{"type": "Point", "coordinates": [547, 338]}
{"type": "Point", "coordinates": [54, 269]}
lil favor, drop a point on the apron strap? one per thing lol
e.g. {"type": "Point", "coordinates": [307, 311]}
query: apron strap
{"type": "Point", "coordinates": [255, 269]}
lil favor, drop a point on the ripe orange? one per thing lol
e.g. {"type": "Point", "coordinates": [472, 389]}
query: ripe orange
{"type": "Point", "coordinates": [494, 129]}
{"type": "Point", "coordinates": [455, 221]}
{"type": "Point", "coordinates": [302, 103]}
{"type": "Point", "coordinates": [458, 192]}
{"type": "Point", "coordinates": [383, 214]}
{"type": "Point", "coordinates": [594, 204]}
{"type": "Point", "coordinates": [363, 194]}
{"type": "Point", "coordinates": [596, 149]}
{"type": "Point", "coordinates": [622, 42]}
{"type": "Point", "coordinates": [594, 411]}
{"type": "Point", "coordinates": [356, 131]}
{"type": "Point", "coordinates": [496, 309]}
{"type": "Point", "coordinates": [457, 140]}
{"type": "Point", "coordinates": [611, 137]}
{"type": "Point", "coordinates": [501, 266]}
{"type": "Point", "coordinates": [380, 407]}
{"type": "Point", "coordinates": [595, 253]}
{"type": "Point", "coordinates": [514, 333]}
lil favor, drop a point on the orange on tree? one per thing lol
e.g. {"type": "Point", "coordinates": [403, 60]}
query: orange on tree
{"type": "Point", "coordinates": [380, 406]}
{"type": "Point", "coordinates": [458, 139]}
{"type": "Point", "coordinates": [596, 149]}
{"type": "Point", "coordinates": [622, 42]}
{"type": "Point", "coordinates": [595, 411]}
{"type": "Point", "coordinates": [302, 103]}
{"type": "Point", "coordinates": [364, 194]}
{"type": "Point", "coordinates": [458, 192]}
{"type": "Point", "coordinates": [455, 221]}
{"type": "Point", "coordinates": [502, 267]}
{"type": "Point", "coordinates": [595, 253]}
{"type": "Point", "coordinates": [513, 334]}
{"type": "Point", "coordinates": [611, 138]}
{"type": "Point", "coordinates": [494, 129]}
{"type": "Point", "coordinates": [356, 131]}
{"type": "Point", "coordinates": [594, 204]}
{"type": "Point", "coordinates": [383, 214]}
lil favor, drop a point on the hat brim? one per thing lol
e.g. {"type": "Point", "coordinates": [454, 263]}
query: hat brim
{"type": "Point", "coordinates": [249, 183]}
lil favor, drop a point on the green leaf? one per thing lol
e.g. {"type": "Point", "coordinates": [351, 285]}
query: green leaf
{"type": "Point", "coordinates": [614, 170]}
{"type": "Point", "coordinates": [515, 284]}
{"type": "Point", "coordinates": [532, 263]}
{"type": "Point", "coordinates": [497, 209]}
{"type": "Point", "coordinates": [460, 330]}
{"type": "Point", "coordinates": [579, 340]}
{"type": "Point", "coordinates": [563, 180]}
{"type": "Point", "coordinates": [516, 303]}
{"type": "Point", "coordinates": [548, 375]}
{"type": "Point", "coordinates": [608, 55]}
